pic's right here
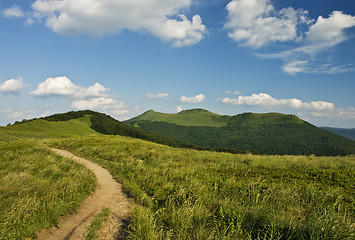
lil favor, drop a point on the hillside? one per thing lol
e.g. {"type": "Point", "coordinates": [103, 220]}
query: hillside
{"type": "Point", "coordinates": [41, 128]}
{"type": "Point", "coordinates": [193, 117]}
{"type": "Point", "coordinates": [345, 132]}
{"type": "Point", "coordinates": [80, 123]}
{"type": "Point", "coordinates": [271, 133]}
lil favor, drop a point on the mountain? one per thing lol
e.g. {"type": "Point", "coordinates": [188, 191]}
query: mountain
{"type": "Point", "coordinates": [193, 117]}
{"type": "Point", "coordinates": [271, 133]}
{"type": "Point", "coordinates": [345, 132]}
{"type": "Point", "coordinates": [79, 123]}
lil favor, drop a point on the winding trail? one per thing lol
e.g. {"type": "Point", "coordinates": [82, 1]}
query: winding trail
{"type": "Point", "coordinates": [107, 194]}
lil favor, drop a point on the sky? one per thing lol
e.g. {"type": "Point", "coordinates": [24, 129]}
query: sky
{"type": "Point", "coordinates": [124, 57]}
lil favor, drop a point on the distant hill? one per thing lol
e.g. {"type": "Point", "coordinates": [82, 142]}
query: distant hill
{"type": "Point", "coordinates": [41, 128]}
{"type": "Point", "coordinates": [79, 123]}
{"type": "Point", "coordinates": [271, 133]}
{"type": "Point", "coordinates": [194, 117]}
{"type": "Point", "coordinates": [345, 132]}
{"type": "Point", "coordinates": [105, 124]}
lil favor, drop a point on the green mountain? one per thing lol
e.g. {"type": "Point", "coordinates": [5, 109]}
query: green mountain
{"type": "Point", "coordinates": [80, 123]}
{"type": "Point", "coordinates": [193, 117]}
{"type": "Point", "coordinates": [345, 132]}
{"type": "Point", "coordinates": [41, 128]}
{"type": "Point", "coordinates": [271, 133]}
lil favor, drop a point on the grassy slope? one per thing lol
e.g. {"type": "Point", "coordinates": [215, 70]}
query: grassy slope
{"type": "Point", "coordinates": [188, 194]}
{"type": "Point", "coordinates": [183, 194]}
{"type": "Point", "coordinates": [194, 117]}
{"type": "Point", "coordinates": [44, 129]}
{"type": "Point", "coordinates": [37, 187]}
{"type": "Point", "coordinates": [271, 133]}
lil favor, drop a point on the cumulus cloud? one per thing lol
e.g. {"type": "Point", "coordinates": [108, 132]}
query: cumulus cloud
{"type": "Point", "coordinates": [179, 109]}
{"type": "Point", "coordinates": [256, 23]}
{"type": "Point", "coordinates": [265, 100]}
{"type": "Point", "coordinates": [12, 85]}
{"type": "Point", "coordinates": [158, 95]}
{"type": "Point", "coordinates": [95, 97]}
{"type": "Point", "coordinates": [330, 29]}
{"type": "Point", "coordinates": [63, 86]}
{"type": "Point", "coordinates": [197, 99]}
{"type": "Point", "coordinates": [160, 18]}
{"type": "Point", "coordinates": [102, 103]}
{"type": "Point", "coordinates": [14, 12]}
{"type": "Point", "coordinates": [56, 86]}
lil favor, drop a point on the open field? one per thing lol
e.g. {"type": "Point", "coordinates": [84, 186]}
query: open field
{"type": "Point", "coordinates": [179, 193]}
{"type": "Point", "coordinates": [189, 194]}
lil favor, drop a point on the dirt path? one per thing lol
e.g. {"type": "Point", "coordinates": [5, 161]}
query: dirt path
{"type": "Point", "coordinates": [108, 194]}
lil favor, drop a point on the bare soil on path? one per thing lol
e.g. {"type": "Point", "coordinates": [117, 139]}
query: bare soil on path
{"type": "Point", "coordinates": [108, 194]}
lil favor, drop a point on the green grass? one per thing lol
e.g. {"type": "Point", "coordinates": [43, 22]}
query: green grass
{"type": "Point", "coordinates": [179, 193]}
{"type": "Point", "coordinates": [45, 129]}
{"type": "Point", "coordinates": [37, 187]}
{"type": "Point", "coordinates": [95, 226]}
{"type": "Point", "coordinates": [188, 194]}
{"type": "Point", "coordinates": [194, 117]}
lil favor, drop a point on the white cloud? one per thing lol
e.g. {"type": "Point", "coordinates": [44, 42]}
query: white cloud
{"type": "Point", "coordinates": [95, 97]}
{"type": "Point", "coordinates": [197, 99]}
{"type": "Point", "coordinates": [324, 34]}
{"type": "Point", "coordinates": [179, 109]}
{"type": "Point", "coordinates": [265, 100]}
{"type": "Point", "coordinates": [295, 67]}
{"type": "Point", "coordinates": [14, 12]}
{"type": "Point", "coordinates": [330, 29]}
{"type": "Point", "coordinates": [56, 86]}
{"type": "Point", "coordinates": [160, 18]}
{"type": "Point", "coordinates": [101, 103]}
{"type": "Point", "coordinates": [63, 86]}
{"type": "Point", "coordinates": [256, 23]}
{"type": "Point", "coordinates": [96, 90]}
{"type": "Point", "coordinates": [12, 85]}
{"type": "Point", "coordinates": [158, 95]}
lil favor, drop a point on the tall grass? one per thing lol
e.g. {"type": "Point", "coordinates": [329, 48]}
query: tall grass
{"type": "Point", "coordinates": [37, 187]}
{"type": "Point", "coordinates": [188, 194]}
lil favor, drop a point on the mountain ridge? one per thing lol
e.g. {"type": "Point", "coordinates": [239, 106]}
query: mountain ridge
{"type": "Point", "coordinates": [345, 132]}
{"type": "Point", "coordinates": [267, 133]}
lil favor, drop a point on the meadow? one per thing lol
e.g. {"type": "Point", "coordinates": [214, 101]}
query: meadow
{"type": "Point", "coordinates": [37, 187]}
{"type": "Point", "coordinates": [178, 193]}
{"type": "Point", "coordinates": [190, 194]}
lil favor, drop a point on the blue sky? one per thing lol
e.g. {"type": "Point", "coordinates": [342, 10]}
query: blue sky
{"type": "Point", "coordinates": [227, 56]}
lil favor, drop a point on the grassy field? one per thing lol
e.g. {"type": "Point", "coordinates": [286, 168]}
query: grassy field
{"type": "Point", "coordinates": [188, 194]}
{"type": "Point", "coordinates": [194, 117]}
{"type": "Point", "coordinates": [179, 193]}
{"type": "Point", "coordinates": [44, 129]}
{"type": "Point", "coordinates": [37, 187]}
